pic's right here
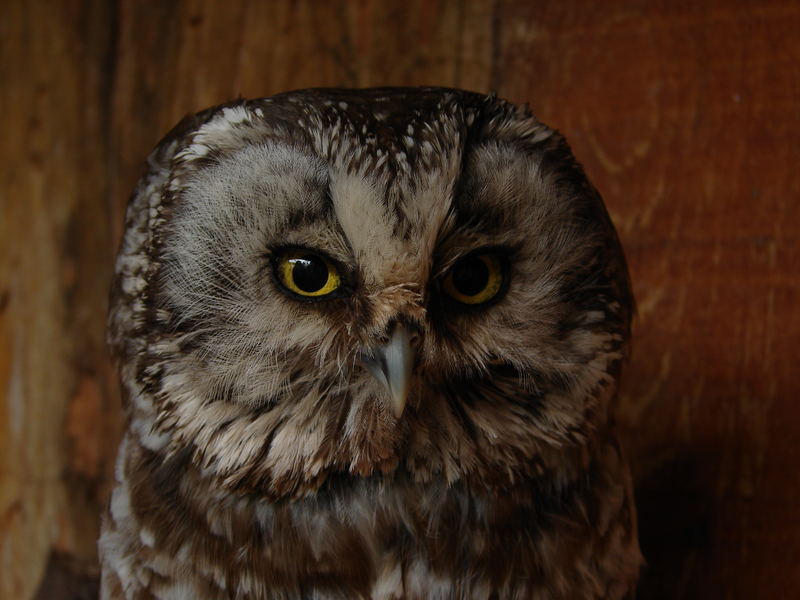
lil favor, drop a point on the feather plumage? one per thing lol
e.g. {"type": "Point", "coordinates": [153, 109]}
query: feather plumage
{"type": "Point", "coordinates": [262, 459]}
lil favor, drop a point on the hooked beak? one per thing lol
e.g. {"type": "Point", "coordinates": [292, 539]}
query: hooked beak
{"type": "Point", "coordinates": [391, 364]}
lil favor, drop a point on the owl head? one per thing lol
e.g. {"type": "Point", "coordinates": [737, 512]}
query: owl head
{"type": "Point", "coordinates": [368, 283]}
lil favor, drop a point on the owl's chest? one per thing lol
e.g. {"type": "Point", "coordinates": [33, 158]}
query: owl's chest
{"type": "Point", "coordinates": [370, 538]}
{"type": "Point", "coordinates": [379, 539]}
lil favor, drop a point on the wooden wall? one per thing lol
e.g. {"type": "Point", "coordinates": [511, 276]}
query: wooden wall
{"type": "Point", "coordinates": [685, 114]}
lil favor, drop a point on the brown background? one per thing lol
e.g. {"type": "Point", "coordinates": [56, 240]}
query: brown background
{"type": "Point", "coordinates": [685, 114]}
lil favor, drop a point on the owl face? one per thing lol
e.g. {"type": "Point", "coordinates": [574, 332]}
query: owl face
{"type": "Point", "coordinates": [366, 283]}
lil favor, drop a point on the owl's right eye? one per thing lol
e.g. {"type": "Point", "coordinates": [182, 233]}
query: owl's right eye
{"type": "Point", "coordinates": [307, 274]}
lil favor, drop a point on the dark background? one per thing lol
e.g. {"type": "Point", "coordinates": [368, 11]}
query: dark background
{"type": "Point", "coordinates": [686, 115]}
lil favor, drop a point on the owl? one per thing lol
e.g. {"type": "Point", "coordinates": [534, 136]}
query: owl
{"type": "Point", "coordinates": [369, 344]}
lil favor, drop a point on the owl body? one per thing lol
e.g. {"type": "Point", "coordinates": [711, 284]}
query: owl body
{"type": "Point", "coordinates": [369, 342]}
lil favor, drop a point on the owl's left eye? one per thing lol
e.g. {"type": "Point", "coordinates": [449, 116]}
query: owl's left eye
{"type": "Point", "coordinates": [477, 278]}
{"type": "Point", "coordinates": [306, 273]}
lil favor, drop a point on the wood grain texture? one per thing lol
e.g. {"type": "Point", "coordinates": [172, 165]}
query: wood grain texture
{"type": "Point", "coordinates": [58, 404]}
{"type": "Point", "coordinates": [685, 115]}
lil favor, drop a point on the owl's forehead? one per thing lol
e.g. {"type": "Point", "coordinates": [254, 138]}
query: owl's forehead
{"type": "Point", "coordinates": [395, 122]}
{"type": "Point", "coordinates": [389, 132]}
{"type": "Point", "coordinates": [397, 135]}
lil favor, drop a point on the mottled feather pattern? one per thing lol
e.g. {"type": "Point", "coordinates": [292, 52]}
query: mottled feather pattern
{"type": "Point", "coordinates": [261, 459]}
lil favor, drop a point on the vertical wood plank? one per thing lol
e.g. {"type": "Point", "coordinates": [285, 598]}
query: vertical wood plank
{"type": "Point", "coordinates": [59, 409]}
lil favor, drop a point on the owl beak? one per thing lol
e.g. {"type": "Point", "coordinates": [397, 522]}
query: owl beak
{"type": "Point", "coordinates": [391, 364]}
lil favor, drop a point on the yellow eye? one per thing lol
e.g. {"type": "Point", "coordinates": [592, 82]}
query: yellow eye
{"type": "Point", "coordinates": [307, 274]}
{"type": "Point", "coordinates": [476, 278]}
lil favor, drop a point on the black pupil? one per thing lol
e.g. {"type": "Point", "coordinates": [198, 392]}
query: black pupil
{"type": "Point", "coordinates": [470, 276]}
{"type": "Point", "coordinates": [310, 273]}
